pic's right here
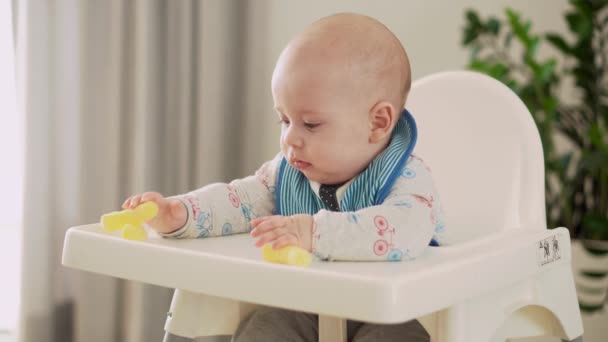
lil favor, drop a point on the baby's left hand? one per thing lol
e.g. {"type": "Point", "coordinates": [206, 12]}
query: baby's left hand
{"type": "Point", "coordinates": [280, 231]}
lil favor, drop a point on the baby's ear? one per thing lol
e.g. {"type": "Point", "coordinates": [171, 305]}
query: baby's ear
{"type": "Point", "coordinates": [382, 118]}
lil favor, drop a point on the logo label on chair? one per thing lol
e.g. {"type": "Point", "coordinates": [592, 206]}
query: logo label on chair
{"type": "Point", "coordinates": [547, 250]}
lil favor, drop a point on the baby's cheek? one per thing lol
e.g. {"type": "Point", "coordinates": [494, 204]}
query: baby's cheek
{"type": "Point", "coordinates": [283, 147]}
{"type": "Point", "coordinates": [336, 151]}
{"type": "Point", "coordinates": [325, 152]}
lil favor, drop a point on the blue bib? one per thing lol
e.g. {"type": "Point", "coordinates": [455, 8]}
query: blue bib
{"type": "Point", "coordinates": [371, 187]}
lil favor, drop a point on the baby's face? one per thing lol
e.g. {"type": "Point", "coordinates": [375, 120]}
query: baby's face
{"type": "Point", "coordinates": [324, 123]}
{"type": "Point", "coordinates": [336, 87]}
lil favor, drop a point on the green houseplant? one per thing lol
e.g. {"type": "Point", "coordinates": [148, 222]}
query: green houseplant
{"type": "Point", "coordinates": [567, 94]}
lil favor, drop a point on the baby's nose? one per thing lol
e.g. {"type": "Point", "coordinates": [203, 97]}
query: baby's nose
{"type": "Point", "coordinates": [291, 137]}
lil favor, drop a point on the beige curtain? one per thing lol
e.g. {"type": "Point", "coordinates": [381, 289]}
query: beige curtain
{"type": "Point", "coordinates": [120, 97]}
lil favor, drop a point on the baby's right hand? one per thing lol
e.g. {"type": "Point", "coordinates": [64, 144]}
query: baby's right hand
{"type": "Point", "coordinates": [171, 216]}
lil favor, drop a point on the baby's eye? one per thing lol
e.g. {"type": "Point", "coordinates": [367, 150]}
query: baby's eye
{"type": "Point", "coordinates": [311, 125]}
{"type": "Point", "coordinates": [283, 121]}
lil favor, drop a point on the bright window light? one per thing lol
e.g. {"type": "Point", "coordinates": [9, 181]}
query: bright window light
{"type": "Point", "coordinates": [11, 175]}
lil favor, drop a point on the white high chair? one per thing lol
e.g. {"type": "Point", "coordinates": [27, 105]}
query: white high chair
{"type": "Point", "coordinates": [503, 275]}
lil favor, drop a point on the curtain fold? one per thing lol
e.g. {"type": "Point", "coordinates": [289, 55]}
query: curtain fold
{"type": "Point", "coordinates": [120, 97]}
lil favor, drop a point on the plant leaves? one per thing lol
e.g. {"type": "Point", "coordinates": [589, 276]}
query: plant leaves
{"type": "Point", "coordinates": [508, 39]}
{"type": "Point", "coordinates": [550, 104]}
{"type": "Point", "coordinates": [472, 28]}
{"type": "Point", "coordinates": [594, 227]}
{"type": "Point", "coordinates": [470, 36]}
{"type": "Point", "coordinates": [594, 161]}
{"type": "Point", "coordinates": [573, 181]}
{"type": "Point", "coordinates": [579, 24]}
{"type": "Point", "coordinates": [475, 51]}
{"type": "Point", "coordinates": [532, 47]}
{"type": "Point", "coordinates": [547, 71]}
{"type": "Point", "coordinates": [493, 26]}
{"type": "Point", "coordinates": [473, 18]}
{"type": "Point", "coordinates": [519, 29]}
{"type": "Point", "coordinates": [597, 136]}
{"type": "Point", "coordinates": [559, 43]}
{"type": "Point", "coordinates": [564, 162]}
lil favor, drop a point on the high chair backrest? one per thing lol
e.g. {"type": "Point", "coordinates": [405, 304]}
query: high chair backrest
{"type": "Point", "coordinates": [484, 150]}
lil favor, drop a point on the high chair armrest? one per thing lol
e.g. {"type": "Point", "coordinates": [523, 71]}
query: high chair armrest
{"type": "Point", "coordinates": [382, 292]}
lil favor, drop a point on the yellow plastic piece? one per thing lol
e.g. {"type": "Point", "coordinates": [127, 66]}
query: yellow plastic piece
{"type": "Point", "coordinates": [134, 232]}
{"type": "Point", "coordinates": [118, 220]}
{"type": "Point", "coordinates": [289, 255]}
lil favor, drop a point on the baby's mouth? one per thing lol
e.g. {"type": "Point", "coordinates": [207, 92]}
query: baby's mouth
{"type": "Point", "coordinates": [300, 164]}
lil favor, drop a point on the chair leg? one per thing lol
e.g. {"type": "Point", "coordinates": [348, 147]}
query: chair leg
{"type": "Point", "coordinates": [194, 314]}
{"type": "Point", "coordinates": [332, 329]}
{"type": "Point", "coordinates": [517, 311]}
{"type": "Point", "coordinates": [174, 338]}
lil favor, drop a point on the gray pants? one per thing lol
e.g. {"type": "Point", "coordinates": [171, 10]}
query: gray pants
{"type": "Point", "coordinates": [278, 325]}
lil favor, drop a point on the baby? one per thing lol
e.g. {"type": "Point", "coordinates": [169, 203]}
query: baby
{"type": "Point", "coordinates": [345, 185]}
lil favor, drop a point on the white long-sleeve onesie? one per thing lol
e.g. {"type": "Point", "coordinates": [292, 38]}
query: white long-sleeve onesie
{"type": "Point", "coordinates": [398, 229]}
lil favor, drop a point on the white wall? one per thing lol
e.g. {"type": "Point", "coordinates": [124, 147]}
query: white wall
{"type": "Point", "coordinates": [431, 32]}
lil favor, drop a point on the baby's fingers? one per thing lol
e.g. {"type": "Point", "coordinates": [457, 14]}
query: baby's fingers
{"type": "Point", "coordinates": [267, 225]}
{"type": "Point", "coordinates": [284, 240]}
{"type": "Point", "coordinates": [269, 236]}
{"type": "Point", "coordinates": [151, 196]}
{"type": "Point", "coordinates": [131, 202]}
{"type": "Point", "coordinates": [125, 204]}
{"type": "Point", "coordinates": [138, 199]}
{"type": "Point", "coordinates": [257, 221]}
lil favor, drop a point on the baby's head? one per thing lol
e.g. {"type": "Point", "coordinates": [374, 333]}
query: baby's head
{"type": "Point", "coordinates": [339, 88]}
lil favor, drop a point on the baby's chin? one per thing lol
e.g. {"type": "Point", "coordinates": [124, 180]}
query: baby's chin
{"type": "Point", "coordinates": [314, 176]}
{"type": "Point", "coordinates": [324, 178]}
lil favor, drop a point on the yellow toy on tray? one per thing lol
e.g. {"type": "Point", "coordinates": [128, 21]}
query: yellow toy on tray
{"type": "Point", "coordinates": [289, 255]}
{"type": "Point", "coordinates": [130, 221]}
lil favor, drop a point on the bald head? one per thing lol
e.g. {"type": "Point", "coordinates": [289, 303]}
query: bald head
{"type": "Point", "coordinates": [365, 52]}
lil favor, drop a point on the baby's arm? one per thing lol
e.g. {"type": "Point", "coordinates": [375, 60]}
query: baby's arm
{"type": "Point", "coordinates": [224, 209]}
{"type": "Point", "coordinates": [399, 229]}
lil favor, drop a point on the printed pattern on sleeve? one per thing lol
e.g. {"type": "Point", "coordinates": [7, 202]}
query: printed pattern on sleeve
{"type": "Point", "coordinates": [225, 209]}
{"type": "Point", "coordinates": [398, 229]}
